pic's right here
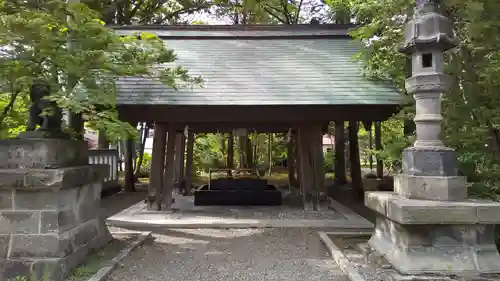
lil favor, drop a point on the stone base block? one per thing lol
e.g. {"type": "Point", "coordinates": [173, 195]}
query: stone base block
{"type": "Point", "coordinates": [419, 161]}
{"type": "Point", "coordinates": [464, 250]}
{"type": "Point", "coordinates": [430, 187]}
{"type": "Point", "coordinates": [49, 226]}
{"type": "Point", "coordinates": [42, 153]}
{"type": "Point", "coordinates": [410, 211]}
{"type": "Point", "coordinates": [53, 256]}
{"type": "Point", "coordinates": [52, 178]}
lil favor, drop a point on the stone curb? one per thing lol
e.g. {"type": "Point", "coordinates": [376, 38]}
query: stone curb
{"type": "Point", "coordinates": [340, 258]}
{"type": "Point", "coordinates": [113, 263]}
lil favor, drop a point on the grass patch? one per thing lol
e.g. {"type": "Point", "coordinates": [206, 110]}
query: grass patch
{"type": "Point", "coordinates": [95, 261]}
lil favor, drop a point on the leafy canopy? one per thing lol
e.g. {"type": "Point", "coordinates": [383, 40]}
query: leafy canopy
{"type": "Point", "coordinates": [69, 47]}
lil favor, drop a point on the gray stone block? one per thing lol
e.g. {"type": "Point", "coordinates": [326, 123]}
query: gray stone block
{"type": "Point", "coordinates": [442, 249]}
{"type": "Point", "coordinates": [4, 246]}
{"type": "Point", "coordinates": [19, 222]}
{"type": "Point", "coordinates": [6, 199]}
{"type": "Point", "coordinates": [411, 211]}
{"type": "Point", "coordinates": [429, 162]}
{"type": "Point", "coordinates": [431, 187]}
{"type": "Point", "coordinates": [45, 199]}
{"type": "Point", "coordinates": [57, 221]}
{"type": "Point", "coordinates": [40, 246]}
{"type": "Point", "coordinates": [53, 178]}
{"type": "Point", "coordinates": [56, 245]}
{"type": "Point", "coordinates": [54, 269]}
{"type": "Point", "coordinates": [42, 153]}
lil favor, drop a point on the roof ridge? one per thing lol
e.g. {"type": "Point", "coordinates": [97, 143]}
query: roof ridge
{"type": "Point", "coordinates": [237, 27]}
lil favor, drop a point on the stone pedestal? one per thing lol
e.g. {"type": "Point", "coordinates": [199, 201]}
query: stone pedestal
{"type": "Point", "coordinates": [427, 225]}
{"type": "Point", "coordinates": [445, 237]}
{"type": "Point", "coordinates": [49, 208]}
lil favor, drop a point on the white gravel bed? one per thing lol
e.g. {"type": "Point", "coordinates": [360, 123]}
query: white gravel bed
{"type": "Point", "coordinates": [230, 254]}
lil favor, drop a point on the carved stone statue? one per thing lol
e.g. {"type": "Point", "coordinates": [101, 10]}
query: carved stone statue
{"type": "Point", "coordinates": [43, 113]}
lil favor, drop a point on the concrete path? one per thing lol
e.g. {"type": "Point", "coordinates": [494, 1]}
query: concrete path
{"type": "Point", "coordinates": [231, 255]}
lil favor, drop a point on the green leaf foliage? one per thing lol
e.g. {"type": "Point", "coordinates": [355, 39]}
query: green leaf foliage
{"type": "Point", "coordinates": [471, 107]}
{"type": "Point", "coordinates": [68, 47]}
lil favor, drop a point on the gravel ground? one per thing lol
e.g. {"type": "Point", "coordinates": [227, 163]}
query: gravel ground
{"type": "Point", "coordinates": [230, 254]}
{"type": "Point", "coordinates": [118, 202]}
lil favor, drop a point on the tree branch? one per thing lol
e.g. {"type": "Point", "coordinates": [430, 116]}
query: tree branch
{"type": "Point", "coordinates": [297, 14]}
{"type": "Point", "coordinates": [272, 14]}
{"type": "Point", "coordinates": [285, 11]}
{"type": "Point", "coordinates": [8, 107]}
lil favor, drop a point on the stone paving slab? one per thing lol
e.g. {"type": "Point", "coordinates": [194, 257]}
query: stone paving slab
{"type": "Point", "coordinates": [186, 215]}
{"type": "Point", "coordinates": [231, 254]}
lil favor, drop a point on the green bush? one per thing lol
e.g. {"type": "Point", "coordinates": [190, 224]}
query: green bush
{"type": "Point", "coordinates": [329, 160]}
{"type": "Point", "coordinates": [145, 167]}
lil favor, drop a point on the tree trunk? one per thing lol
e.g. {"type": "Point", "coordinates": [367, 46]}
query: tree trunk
{"type": "Point", "coordinates": [144, 136]}
{"type": "Point", "coordinates": [102, 141]}
{"type": "Point", "coordinates": [230, 151]}
{"type": "Point", "coordinates": [249, 153]}
{"type": "Point", "coordinates": [270, 153]}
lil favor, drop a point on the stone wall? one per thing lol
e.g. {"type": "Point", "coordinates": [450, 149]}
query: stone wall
{"type": "Point", "coordinates": [49, 218]}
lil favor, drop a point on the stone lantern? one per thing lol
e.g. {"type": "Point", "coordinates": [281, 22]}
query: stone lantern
{"type": "Point", "coordinates": [428, 225]}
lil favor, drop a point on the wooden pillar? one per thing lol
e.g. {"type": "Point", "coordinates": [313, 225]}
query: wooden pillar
{"type": "Point", "coordinates": [291, 161]}
{"type": "Point", "coordinates": [189, 162]}
{"type": "Point", "coordinates": [177, 158]}
{"type": "Point", "coordinates": [356, 180]}
{"type": "Point", "coordinates": [296, 156]}
{"type": "Point", "coordinates": [306, 163]}
{"type": "Point", "coordinates": [340, 171]}
{"type": "Point", "coordinates": [318, 165]}
{"type": "Point", "coordinates": [378, 146]}
{"type": "Point", "coordinates": [182, 168]}
{"type": "Point", "coordinates": [129, 166]}
{"type": "Point", "coordinates": [168, 176]}
{"type": "Point", "coordinates": [157, 163]}
{"type": "Point", "coordinates": [312, 173]}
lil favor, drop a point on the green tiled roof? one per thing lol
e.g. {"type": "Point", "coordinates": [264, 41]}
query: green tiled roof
{"type": "Point", "coordinates": [262, 71]}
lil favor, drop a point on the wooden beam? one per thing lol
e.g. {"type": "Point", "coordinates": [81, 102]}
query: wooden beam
{"type": "Point", "coordinates": [157, 164]}
{"type": "Point", "coordinates": [255, 113]}
{"type": "Point", "coordinates": [189, 162]}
